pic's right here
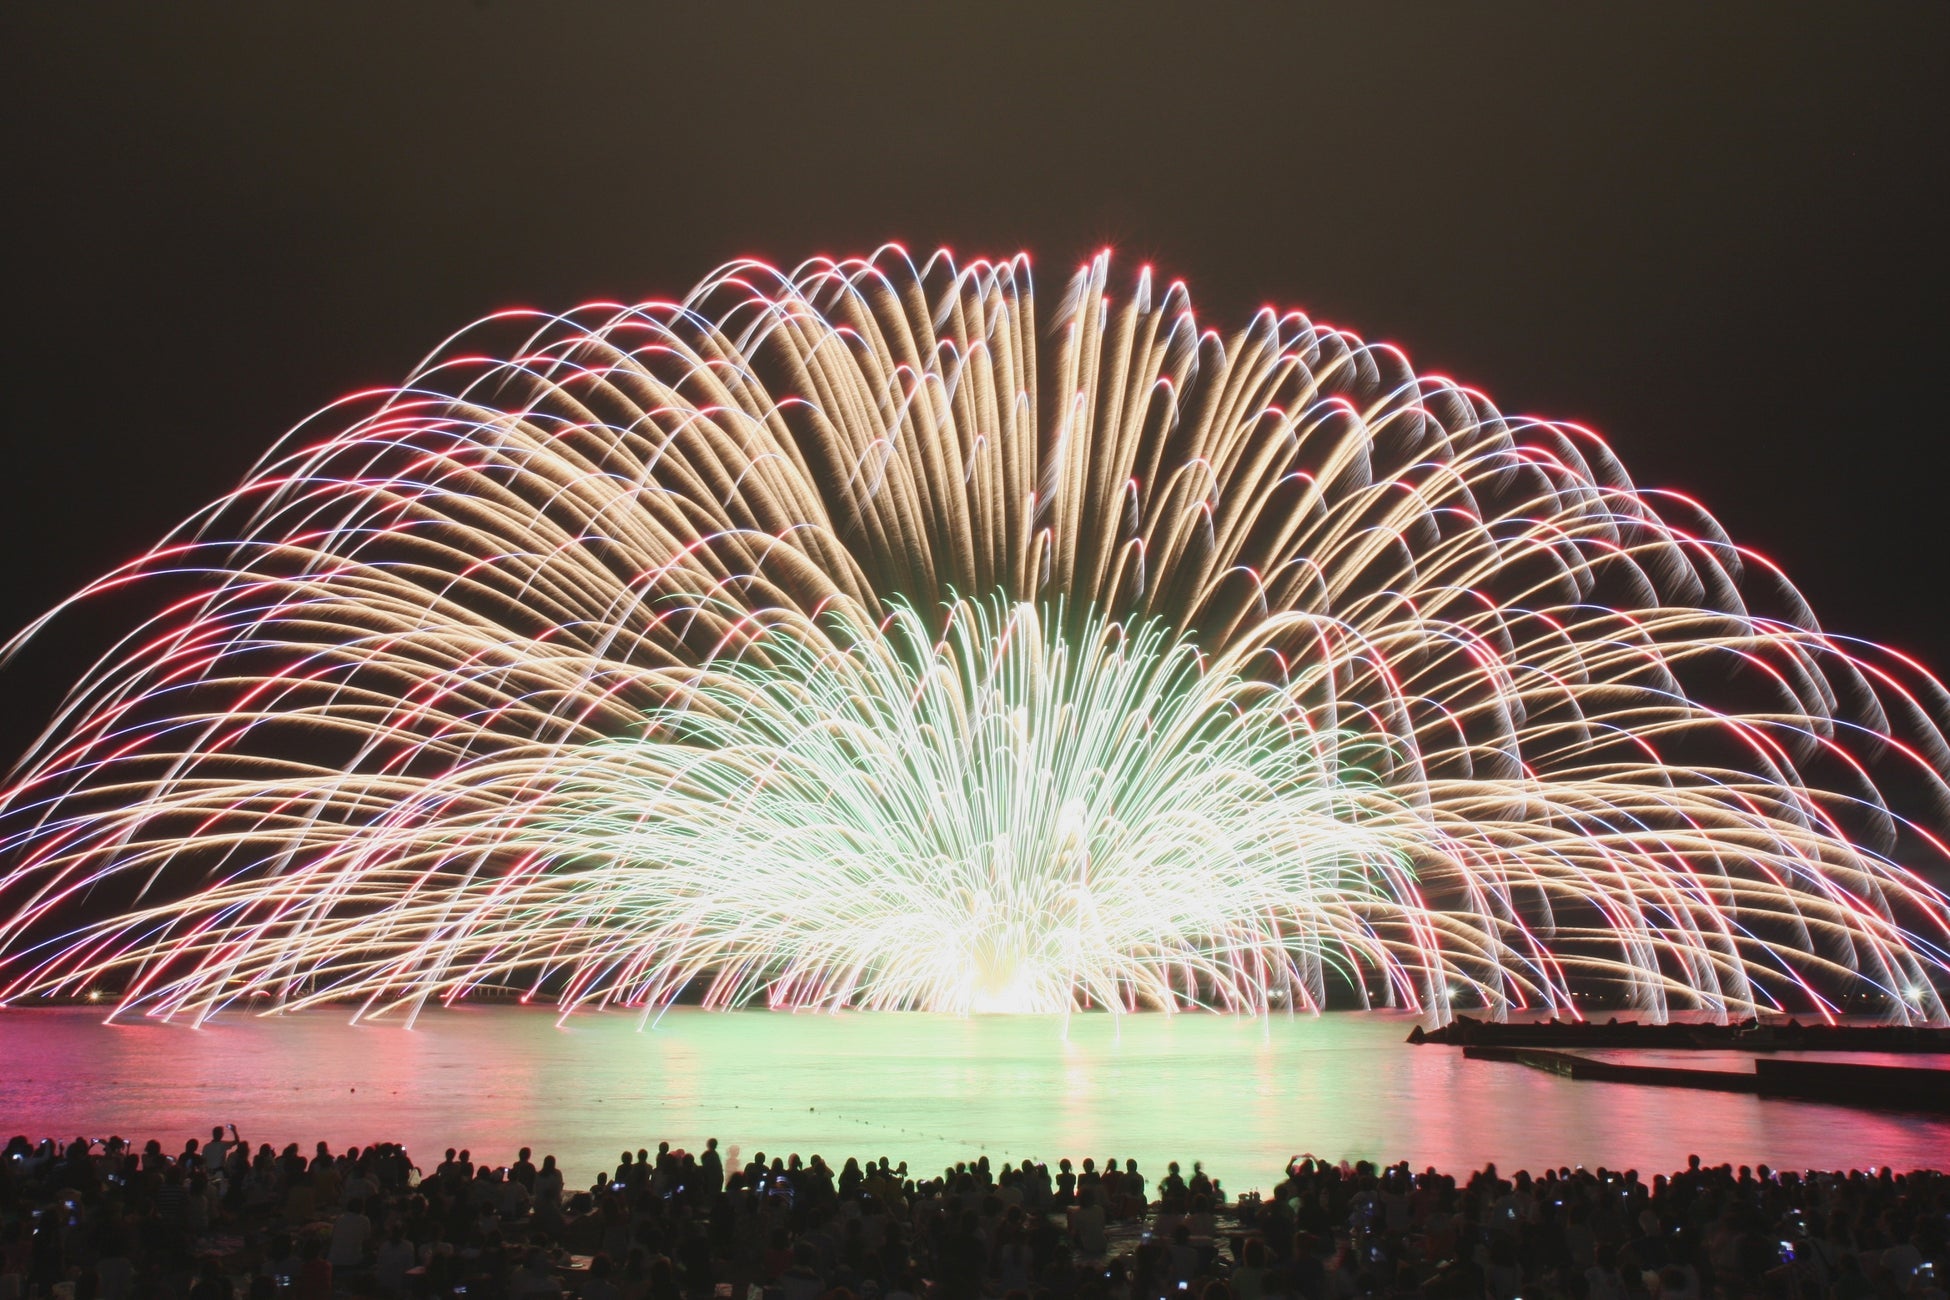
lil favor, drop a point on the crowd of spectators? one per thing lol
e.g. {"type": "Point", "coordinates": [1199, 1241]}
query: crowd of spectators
{"type": "Point", "coordinates": [217, 1220]}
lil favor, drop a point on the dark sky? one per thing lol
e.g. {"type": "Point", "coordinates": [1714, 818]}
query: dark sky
{"type": "Point", "coordinates": [1715, 234]}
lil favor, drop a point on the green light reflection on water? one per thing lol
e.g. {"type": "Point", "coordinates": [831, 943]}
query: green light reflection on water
{"type": "Point", "coordinates": [1242, 1095]}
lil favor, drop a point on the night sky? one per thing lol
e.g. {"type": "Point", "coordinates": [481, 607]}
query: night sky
{"type": "Point", "coordinates": [1715, 234]}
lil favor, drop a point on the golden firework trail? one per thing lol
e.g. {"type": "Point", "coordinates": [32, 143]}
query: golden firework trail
{"type": "Point", "coordinates": [855, 636]}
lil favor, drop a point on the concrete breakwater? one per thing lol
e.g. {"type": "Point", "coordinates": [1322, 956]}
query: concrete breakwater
{"type": "Point", "coordinates": [1785, 1036]}
{"type": "Point", "coordinates": [1841, 1083]}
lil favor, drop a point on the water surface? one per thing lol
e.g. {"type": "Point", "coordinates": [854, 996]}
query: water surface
{"type": "Point", "coordinates": [1243, 1095]}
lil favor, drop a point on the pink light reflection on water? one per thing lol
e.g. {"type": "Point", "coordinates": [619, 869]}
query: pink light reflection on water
{"type": "Point", "coordinates": [1241, 1095]}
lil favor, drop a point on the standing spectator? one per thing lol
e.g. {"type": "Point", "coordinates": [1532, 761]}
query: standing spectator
{"type": "Point", "coordinates": [351, 1233]}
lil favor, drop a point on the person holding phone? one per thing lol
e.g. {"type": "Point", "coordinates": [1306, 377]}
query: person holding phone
{"type": "Point", "coordinates": [217, 1150]}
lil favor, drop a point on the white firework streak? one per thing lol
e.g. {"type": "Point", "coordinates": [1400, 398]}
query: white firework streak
{"type": "Point", "coordinates": [814, 641]}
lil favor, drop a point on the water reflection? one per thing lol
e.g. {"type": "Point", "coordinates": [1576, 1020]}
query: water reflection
{"type": "Point", "coordinates": [1242, 1095]}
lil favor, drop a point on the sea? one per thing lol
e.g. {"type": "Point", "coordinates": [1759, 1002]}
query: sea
{"type": "Point", "coordinates": [1241, 1095]}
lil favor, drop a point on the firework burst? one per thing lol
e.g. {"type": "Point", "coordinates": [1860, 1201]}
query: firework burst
{"type": "Point", "coordinates": [819, 641]}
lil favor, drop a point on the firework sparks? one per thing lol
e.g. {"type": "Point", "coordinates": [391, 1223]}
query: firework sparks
{"type": "Point", "coordinates": [817, 641]}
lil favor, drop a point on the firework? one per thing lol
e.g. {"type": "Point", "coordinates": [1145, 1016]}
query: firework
{"type": "Point", "coordinates": [826, 640]}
